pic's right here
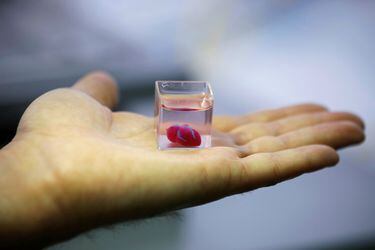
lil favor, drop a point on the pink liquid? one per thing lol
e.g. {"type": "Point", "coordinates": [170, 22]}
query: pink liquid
{"type": "Point", "coordinates": [195, 111]}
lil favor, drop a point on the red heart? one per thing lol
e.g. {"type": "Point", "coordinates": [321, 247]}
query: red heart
{"type": "Point", "coordinates": [184, 135]}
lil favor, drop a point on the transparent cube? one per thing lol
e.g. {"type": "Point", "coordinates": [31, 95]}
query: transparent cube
{"type": "Point", "coordinates": [183, 114]}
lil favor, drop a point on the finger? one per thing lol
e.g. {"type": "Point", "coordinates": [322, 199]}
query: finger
{"type": "Point", "coordinates": [226, 123]}
{"type": "Point", "coordinates": [299, 121]}
{"type": "Point", "coordinates": [248, 132]}
{"type": "Point", "coordinates": [101, 86]}
{"type": "Point", "coordinates": [265, 169]}
{"type": "Point", "coordinates": [334, 134]}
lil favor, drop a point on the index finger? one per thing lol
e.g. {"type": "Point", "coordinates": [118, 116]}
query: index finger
{"type": "Point", "coordinates": [226, 123]}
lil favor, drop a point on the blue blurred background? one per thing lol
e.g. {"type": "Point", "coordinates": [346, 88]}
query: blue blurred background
{"type": "Point", "coordinates": [257, 55]}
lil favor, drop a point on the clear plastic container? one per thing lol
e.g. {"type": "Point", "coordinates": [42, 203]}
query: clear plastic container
{"type": "Point", "coordinates": [183, 114]}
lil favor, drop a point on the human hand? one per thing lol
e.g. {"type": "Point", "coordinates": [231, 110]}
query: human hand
{"type": "Point", "coordinates": [74, 165]}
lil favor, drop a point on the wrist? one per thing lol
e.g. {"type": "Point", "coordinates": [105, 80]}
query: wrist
{"type": "Point", "coordinates": [29, 215]}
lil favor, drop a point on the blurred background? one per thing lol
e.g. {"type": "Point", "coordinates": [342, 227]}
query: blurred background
{"type": "Point", "coordinates": [257, 54]}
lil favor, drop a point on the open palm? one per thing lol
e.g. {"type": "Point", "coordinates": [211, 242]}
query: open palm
{"type": "Point", "coordinates": [77, 165]}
